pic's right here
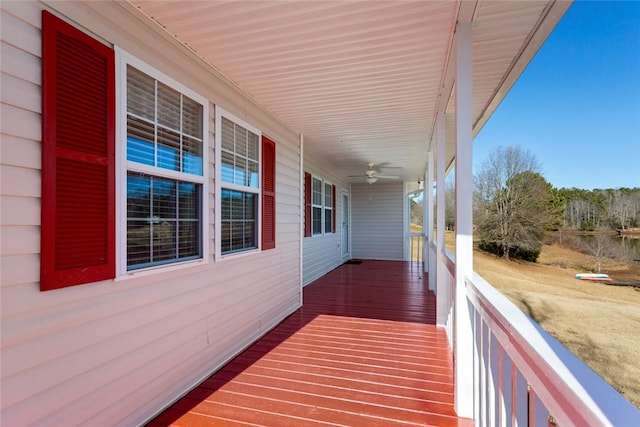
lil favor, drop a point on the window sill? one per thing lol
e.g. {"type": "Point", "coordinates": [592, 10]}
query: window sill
{"type": "Point", "coordinates": [161, 269]}
{"type": "Point", "coordinates": [235, 255]}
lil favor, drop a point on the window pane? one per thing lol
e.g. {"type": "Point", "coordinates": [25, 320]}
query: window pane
{"type": "Point", "coordinates": [228, 135]}
{"type": "Point", "coordinates": [317, 192]}
{"type": "Point", "coordinates": [141, 94]}
{"type": "Point", "coordinates": [225, 210]}
{"type": "Point", "coordinates": [159, 139]}
{"type": "Point", "coordinates": [249, 234]}
{"type": "Point", "coordinates": [227, 167]}
{"type": "Point", "coordinates": [191, 156]}
{"type": "Point", "coordinates": [138, 242]}
{"type": "Point", "coordinates": [253, 175]}
{"type": "Point", "coordinates": [188, 242]}
{"type": "Point", "coordinates": [138, 224]}
{"type": "Point", "coordinates": [328, 195]}
{"type": "Point", "coordinates": [328, 220]}
{"type": "Point", "coordinates": [237, 206]}
{"type": "Point", "coordinates": [188, 201]}
{"type": "Point", "coordinates": [253, 147]}
{"type": "Point", "coordinates": [168, 149]}
{"type": "Point", "coordinates": [164, 199]}
{"type": "Point", "coordinates": [225, 237]}
{"type": "Point", "coordinates": [138, 196]}
{"type": "Point", "coordinates": [238, 229]}
{"type": "Point", "coordinates": [317, 220]}
{"type": "Point", "coordinates": [240, 176]}
{"type": "Point", "coordinates": [164, 240]}
{"type": "Point", "coordinates": [163, 220]}
{"type": "Point", "coordinates": [250, 206]}
{"type": "Point", "coordinates": [192, 113]}
{"type": "Point", "coordinates": [240, 155]}
{"type": "Point", "coordinates": [168, 107]}
{"type": "Point", "coordinates": [140, 141]}
{"type": "Point", "coordinates": [240, 140]}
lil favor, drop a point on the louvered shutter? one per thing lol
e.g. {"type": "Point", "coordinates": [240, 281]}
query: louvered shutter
{"type": "Point", "coordinates": [335, 208]}
{"type": "Point", "coordinates": [268, 193]}
{"type": "Point", "coordinates": [307, 204]}
{"type": "Point", "coordinates": [78, 157]}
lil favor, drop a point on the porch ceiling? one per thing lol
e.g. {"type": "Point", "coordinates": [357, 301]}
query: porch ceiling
{"type": "Point", "coordinates": [363, 81]}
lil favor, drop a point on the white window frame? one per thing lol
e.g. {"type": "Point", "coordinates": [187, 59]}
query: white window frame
{"type": "Point", "coordinates": [123, 59]}
{"type": "Point", "coordinates": [219, 256]}
{"type": "Point", "coordinates": [325, 208]}
{"type": "Point", "coordinates": [315, 206]}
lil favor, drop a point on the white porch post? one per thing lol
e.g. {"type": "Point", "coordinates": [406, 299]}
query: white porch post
{"type": "Point", "coordinates": [463, 347]}
{"type": "Point", "coordinates": [301, 229]}
{"type": "Point", "coordinates": [427, 221]}
{"type": "Point", "coordinates": [442, 284]}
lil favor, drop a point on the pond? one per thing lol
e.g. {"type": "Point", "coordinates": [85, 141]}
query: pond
{"type": "Point", "coordinates": [624, 248]}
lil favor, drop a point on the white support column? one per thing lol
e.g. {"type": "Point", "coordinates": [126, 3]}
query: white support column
{"type": "Point", "coordinates": [442, 282]}
{"type": "Point", "coordinates": [463, 347]}
{"type": "Point", "coordinates": [301, 230]}
{"type": "Point", "coordinates": [427, 220]}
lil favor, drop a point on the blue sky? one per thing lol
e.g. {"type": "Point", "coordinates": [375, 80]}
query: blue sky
{"type": "Point", "coordinates": [577, 105]}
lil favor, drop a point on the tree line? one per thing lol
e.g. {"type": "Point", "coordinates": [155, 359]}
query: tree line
{"type": "Point", "coordinates": [590, 210]}
{"type": "Point", "coordinates": [514, 206]}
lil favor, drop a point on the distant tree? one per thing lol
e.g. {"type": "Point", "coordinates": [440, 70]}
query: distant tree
{"type": "Point", "coordinates": [599, 247]}
{"type": "Point", "coordinates": [450, 203]}
{"type": "Point", "coordinates": [514, 204]}
{"type": "Point", "coordinates": [415, 210]}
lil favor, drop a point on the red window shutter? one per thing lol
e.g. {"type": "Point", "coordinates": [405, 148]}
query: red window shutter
{"type": "Point", "coordinates": [307, 204]}
{"type": "Point", "coordinates": [335, 208]}
{"type": "Point", "coordinates": [78, 157]}
{"type": "Point", "coordinates": [268, 193]}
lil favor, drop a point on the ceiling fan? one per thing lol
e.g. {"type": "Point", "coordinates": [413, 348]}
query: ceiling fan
{"type": "Point", "coordinates": [371, 175]}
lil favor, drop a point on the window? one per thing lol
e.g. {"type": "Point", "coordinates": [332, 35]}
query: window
{"type": "Point", "coordinates": [328, 208]}
{"type": "Point", "coordinates": [316, 205]}
{"type": "Point", "coordinates": [320, 200]}
{"type": "Point", "coordinates": [165, 129]}
{"type": "Point", "coordinates": [239, 151]}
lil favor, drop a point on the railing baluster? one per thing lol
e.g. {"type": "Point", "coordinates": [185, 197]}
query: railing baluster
{"type": "Point", "coordinates": [506, 390]}
{"type": "Point", "coordinates": [520, 398]}
{"type": "Point", "coordinates": [494, 374]}
{"type": "Point", "coordinates": [485, 377]}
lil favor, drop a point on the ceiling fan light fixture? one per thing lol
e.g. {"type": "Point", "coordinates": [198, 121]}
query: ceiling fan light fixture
{"type": "Point", "coordinates": [371, 179]}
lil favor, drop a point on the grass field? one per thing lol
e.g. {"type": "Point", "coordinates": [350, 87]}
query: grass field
{"type": "Point", "coordinates": [599, 323]}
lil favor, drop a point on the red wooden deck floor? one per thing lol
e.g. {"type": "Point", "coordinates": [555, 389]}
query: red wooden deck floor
{"type": "Point", "coordinates": [362, 351]}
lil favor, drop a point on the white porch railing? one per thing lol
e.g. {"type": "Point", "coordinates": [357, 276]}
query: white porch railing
{"type": "Point", "coordinates": [416, 243]}
{"type": "Point", "coordinates": [522, 375]}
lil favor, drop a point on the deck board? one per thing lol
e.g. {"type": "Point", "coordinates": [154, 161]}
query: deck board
{"type": "Point", "coordinates": [362, 351]}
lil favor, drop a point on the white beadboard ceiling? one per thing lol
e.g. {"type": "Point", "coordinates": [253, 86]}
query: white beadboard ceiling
{"type": "Point", "coordinates": [362, 80]}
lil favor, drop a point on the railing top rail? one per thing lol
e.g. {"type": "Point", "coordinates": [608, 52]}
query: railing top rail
{"type": "Point", "coordinates": [571, 391]}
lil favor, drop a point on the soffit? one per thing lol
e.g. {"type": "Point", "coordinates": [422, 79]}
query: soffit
{"type": "Point", "coordinates": [360, 80]}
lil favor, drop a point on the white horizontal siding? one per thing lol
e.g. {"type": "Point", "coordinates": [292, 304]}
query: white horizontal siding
{"type": "Point", "coordinates": [115, 352]}
{"type": "Point", "coordinates": [377, 220]}
{"type": "Point", "coordinates": [322, 253]}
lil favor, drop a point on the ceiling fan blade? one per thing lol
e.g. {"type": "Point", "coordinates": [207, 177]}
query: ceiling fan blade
{"type": "Point", "coordinates": [386, 165]}
{"type": "Point", "coordinates": [387, 176]}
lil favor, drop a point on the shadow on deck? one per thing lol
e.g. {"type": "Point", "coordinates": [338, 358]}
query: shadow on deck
{"type": "Point", "coordinates": [362, 351]}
